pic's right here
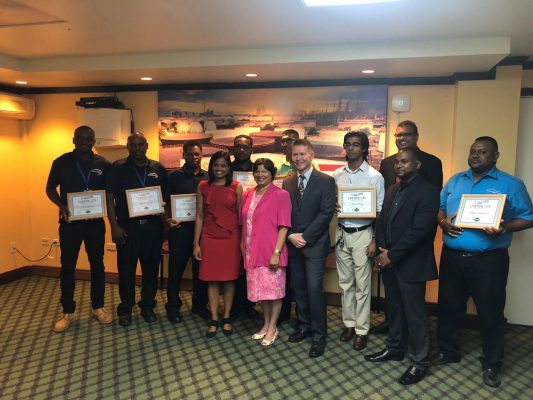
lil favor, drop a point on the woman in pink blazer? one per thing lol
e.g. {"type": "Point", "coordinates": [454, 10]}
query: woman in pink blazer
{"type": "Point", "coordinates": [266, 217]}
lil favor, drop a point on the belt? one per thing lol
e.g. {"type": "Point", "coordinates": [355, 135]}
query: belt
{"type": "Point", "coordinates": [143, 221]}
{"type": "Point", "coordinates": [353, 230]}
{"type": "Point", "coordinates": [463, 253]}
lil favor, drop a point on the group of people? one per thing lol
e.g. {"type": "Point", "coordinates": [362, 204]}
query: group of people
{"type": "Point", "coordinates": [269, 244]}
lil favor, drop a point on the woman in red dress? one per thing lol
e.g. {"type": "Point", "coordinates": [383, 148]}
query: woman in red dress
{"type": "Point", "coordinates": [217, 237]}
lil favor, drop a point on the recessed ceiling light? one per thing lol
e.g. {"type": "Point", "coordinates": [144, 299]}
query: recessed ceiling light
{"type": "Point", "coordinates": [322, 3]}
{"type": "Point", "coordinates": [368, 71]}
{"type": "Point", "coordinates": [146, 78]}
{"type": "Point", "coordinates": [21, 82]}
{"type": "Point", "coordinates": [251, 75]}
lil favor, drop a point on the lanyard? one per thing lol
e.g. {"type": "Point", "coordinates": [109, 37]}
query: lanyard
{"type": "Point", "coordinates": [86, 178]}
{"type": "Point", "coordinates": [142, 180]}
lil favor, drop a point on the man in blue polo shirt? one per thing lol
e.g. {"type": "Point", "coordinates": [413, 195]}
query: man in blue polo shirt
{"type": "Point", "coordinates": [475, 262]}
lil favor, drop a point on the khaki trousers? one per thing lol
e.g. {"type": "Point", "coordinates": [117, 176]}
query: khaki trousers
{"type": "Point", "coordinates": [355, 271]}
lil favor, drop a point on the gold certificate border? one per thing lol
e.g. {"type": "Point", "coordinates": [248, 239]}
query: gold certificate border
{"type": "Point", "coordinates": [70, 198]}
{"type": "Point", "coordinates": [358, 189]}
{"type": "Point", "coordinates": [499, 213]}
{"type": "Point", "coordinates": [132, 214]}
{"type": "Point", "coordinates": [173, 207]}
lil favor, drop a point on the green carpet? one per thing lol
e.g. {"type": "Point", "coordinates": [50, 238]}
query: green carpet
{"type": "Point", "coordinates": [164, 361]}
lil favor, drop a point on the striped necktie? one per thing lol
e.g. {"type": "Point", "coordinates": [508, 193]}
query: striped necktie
{"type": "Point", "coordinates": [301, 187]}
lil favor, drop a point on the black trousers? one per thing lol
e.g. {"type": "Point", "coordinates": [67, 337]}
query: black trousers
{"type": "Point", "coordinates": [307, 278]}
{"type": "Point", "coordinates": [407, 315]}
{"type": "Point", "coordinates": [92, 233]}
{"type": "Point", "coordinates": [180, 244]}
{"type": "Point", "coordinates": [143, 244]}
{"type": "Point", "coordinates": [484, 277]}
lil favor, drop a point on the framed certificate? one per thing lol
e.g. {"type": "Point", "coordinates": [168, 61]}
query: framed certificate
{"type": "Point", "coordinates": [480, 211]}
{"type": "Point", "coordinates": [145, 201]}
{"type": "Point", "coordinates": [183, 207]}
{"type": "Point", "coordinates": [246, 179]}
{"type": "Point", "coordinates": [357, 202]}
{"type": "Point", "coordinates": [86, 205]}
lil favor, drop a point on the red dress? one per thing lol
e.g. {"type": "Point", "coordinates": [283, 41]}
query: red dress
{"type": "Point", "coordinates": [221, 235]}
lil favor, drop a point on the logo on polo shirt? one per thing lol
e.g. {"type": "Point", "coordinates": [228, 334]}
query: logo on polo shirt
{"type": "Point", "coordinates": [153, 175]}
{"type": "Point", "coordinates": [96, 171]}
{"type": "Point", "coordinates": [494, 191]}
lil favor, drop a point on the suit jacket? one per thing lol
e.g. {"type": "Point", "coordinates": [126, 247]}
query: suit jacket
{"type": "Point", "coordinates": [411, 226]}
{"type": "Point", "coordinates": [312, 214]}
{"type": "Point", "coordinates": [430, 170]}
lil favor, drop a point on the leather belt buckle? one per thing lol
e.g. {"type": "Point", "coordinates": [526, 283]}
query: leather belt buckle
{"type": "Point", "coordinates": [143, 221]}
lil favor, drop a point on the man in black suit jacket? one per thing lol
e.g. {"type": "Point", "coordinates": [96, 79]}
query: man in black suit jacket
{"type": "Point", "coordinates": [431, 170]}
{"type": "Point", "coordinates": [404, 234]}
{"type": "Point", "coordinates": [313, 198]}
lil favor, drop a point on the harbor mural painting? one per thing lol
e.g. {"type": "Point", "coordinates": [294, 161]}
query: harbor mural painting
{"type": "Point", "coordinates": [321, 114]}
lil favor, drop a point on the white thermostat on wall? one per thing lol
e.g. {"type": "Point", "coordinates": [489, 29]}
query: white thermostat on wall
{"type": "Point", "coordinates": [401, 103]}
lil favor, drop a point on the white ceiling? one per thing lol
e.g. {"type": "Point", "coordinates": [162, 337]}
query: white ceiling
{"type": "Point", "coordinates": [115, 42]}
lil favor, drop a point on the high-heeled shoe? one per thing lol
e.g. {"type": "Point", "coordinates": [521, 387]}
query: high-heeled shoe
{"type": "Point", "coordinates": [267, 343]}
{"type": "Point", "coordinates": [227, 321]}
{"type": "Point", "coordinates": [258, 336]}
{"type": "Point", "coordinates": [211, 335]}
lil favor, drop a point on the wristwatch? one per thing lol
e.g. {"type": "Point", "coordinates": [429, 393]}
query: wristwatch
{"type": "Point", "coordinates": [277, 252]}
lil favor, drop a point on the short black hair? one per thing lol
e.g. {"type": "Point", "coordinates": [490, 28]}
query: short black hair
{"type": "Point", "coordinates": [137, 134]}
{"type": "Point", "coordinates": [267, 163]}
{"type": "Point", "coordinates": [291, 132]}
{"type": "Point", "coordinates": [488, 139]}
{"type": "Point", "coordinates": [190, 144]}
{"type": "Point", "coordinates": [409, 124]}
{"type": "Point", "coordinates": [413, 151]}
{"type": "Point", "coordinates": [363, 138]}
{"type": "Point", "coordinates": [218, 155]}
{"type": "Point", "coordinates": [303, 142]}
{"type": "Point", "coordinates": [83, 128]}
{"type": "Point", "coordinates": [244, 137]}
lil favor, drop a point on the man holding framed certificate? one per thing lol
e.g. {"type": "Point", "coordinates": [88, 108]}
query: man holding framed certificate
{"type": "Point", "coordinates": [475, 260]}
{"type": "Point", "coordinates": [80, 175]}
{"type": "Point", "coordinates": [355, 243]}
{"type": "Point", "coordinates": [182, 185]}
{"type": "Point", "coordinates": [135, 191]}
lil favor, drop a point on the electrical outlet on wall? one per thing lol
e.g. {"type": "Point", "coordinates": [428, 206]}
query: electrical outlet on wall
{"type": "Point", "coordinates": [55, 242]}
{"type": "Point", "coordinates": [45, 242]}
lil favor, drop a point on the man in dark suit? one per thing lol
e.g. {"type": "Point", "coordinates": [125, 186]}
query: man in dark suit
{"type": "Point", "coordinates": [431, 170]}
{"type": "Point", "coordinates": [313, 198]}
{"type": "Point", "coordinates": [404, 234]}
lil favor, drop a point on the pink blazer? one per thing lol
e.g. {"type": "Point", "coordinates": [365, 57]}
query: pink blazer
{"type": "Point", "coordinates": [274, 210]}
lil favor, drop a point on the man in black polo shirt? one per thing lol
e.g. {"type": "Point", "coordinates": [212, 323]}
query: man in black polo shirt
{"type": "Point", "coordinates": [430, 169]}
{"type": "Point", "coordinates": [78, 171]}
{"type": "Point", "coordinates": [184, 180]}
{"type": "Point", "coordinates": [140, 238]}
{"type": "Point", "coordinates": [242, 151]}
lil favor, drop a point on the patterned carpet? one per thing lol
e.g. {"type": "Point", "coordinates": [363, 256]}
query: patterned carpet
{"type": "Point", "coordinates": [162, 361]}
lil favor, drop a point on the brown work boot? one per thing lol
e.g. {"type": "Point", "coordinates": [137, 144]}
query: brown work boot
{"type": "Point", "coordinates": [102, 315]}
{"type": "Point", "coordinates": [64, 322]}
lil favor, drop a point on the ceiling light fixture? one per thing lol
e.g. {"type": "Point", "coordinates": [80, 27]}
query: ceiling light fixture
{"type": "Point", "coordinates": [368, 71]}
{"type": "Point", "coordinates": [21, 82]}
{"type": "Point", "coordinates": [146, 78]}
{"type": "Point", "coordinates": [324, 3]}
{"type": "Point", "coordinates": [251, 75]}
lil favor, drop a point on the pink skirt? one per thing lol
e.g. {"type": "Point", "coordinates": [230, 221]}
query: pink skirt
{"type": "Point", "coordinates": [265, 284]}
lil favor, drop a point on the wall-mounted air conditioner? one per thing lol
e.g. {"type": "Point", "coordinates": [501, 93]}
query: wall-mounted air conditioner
{"type": "Point", "coordinates": [16, 107]}
{"type": "Point", "coordinates": [111, 126]}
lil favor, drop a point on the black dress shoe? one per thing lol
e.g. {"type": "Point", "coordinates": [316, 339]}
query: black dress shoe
{"type": "Point", "coordinates": [384, 355]}
{"type": "Point", "coordinates": [317, 348]}
{"type": "Point", "coordinates": [174, 318]}
{"type": "Point", "coordinates": [149, 316]}
{"type": "Point", "coordinates": [359, 343]}
{"type": "Point", "coordinates": [211, 335]}
{"type": "Point", "coordinates": [202, 312]}
{"type": "Point", "coordinates": [491, 376]}
{"type": "Point", "coordinates": [380, 329]}
{"type": "Point", "coordinates": [124, 320]}
{"type": "Point", "coordinates": [227, 321]}
{"type": "Point", "coordinates": [347, 334]}
{"type": "Point", "coordinates": [298, 335]}
{"type": "Point", "coordinates": [441, 359]}
{"type": "Point", "coordinates": [412, 375]}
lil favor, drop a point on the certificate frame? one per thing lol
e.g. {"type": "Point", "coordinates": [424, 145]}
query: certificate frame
{"type": "Point", "coordinates": [464, 218]}
{"type": "Point", "coordinates": [245, 178]}
{"type": "Point", "coordinates": [176, 198]}
{"type": "Point", "coordinates": [74, 216]}
{"type": "Point", "coordinates": [355, 214]}
{"type": "Point", "coordinates": [131, 193]}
